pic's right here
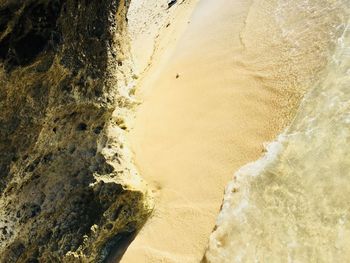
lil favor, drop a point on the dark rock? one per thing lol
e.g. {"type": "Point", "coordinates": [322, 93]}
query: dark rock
{"type": "Point", "coordinates": [57, 94]}
{"type": "Point", "coordinates": [171, 3]}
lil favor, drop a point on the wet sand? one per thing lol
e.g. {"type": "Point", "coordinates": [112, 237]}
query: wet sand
{"type": "Point", "coordinates": [203, 116]}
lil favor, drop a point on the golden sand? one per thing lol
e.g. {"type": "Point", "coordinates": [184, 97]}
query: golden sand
{"type": "Point", "coordinates": [203, 116]}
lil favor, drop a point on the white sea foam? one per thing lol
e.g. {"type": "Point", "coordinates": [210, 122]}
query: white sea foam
{"type": "Point", "coordinates": [292, 204]}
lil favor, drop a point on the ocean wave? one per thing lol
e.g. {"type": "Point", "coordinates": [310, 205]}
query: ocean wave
{"type": "Point", "coordinates": [292, 204]}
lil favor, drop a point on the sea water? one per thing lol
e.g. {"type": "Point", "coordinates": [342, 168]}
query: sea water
{"type": "Point", "coordinates": [293, 204]}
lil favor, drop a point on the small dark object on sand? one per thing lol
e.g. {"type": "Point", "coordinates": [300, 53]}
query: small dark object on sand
{"type": "Point", "coordinates": [177, 76]}
{"type": "Point", "coordinates": [171, 3]}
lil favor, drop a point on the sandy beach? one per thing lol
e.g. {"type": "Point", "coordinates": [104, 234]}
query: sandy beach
{"type": "Point", "coordinates": [175, 131]}
{"type": "Point", "coordinates": [204, 114]}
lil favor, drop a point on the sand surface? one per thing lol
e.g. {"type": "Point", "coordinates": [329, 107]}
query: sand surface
{"type": "Point", "coordinates": [203, 116]}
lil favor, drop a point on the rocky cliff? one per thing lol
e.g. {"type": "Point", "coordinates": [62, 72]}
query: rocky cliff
{"type": "Point", "coordinates": [65, 174]}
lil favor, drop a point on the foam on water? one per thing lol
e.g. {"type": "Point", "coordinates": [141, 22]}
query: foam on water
{"type": "Point", "coordinates": [292, 205]}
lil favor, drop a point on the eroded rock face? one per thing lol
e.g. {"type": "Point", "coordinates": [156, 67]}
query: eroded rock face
{"type": "Point", "coordinates": [61, 198]}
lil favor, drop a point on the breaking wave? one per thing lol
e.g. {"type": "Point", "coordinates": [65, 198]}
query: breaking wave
{"type": "Point", "coordinates": [292, 205]}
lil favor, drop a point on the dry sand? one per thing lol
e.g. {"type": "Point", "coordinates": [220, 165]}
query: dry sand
{"type": "Point", "coordinates": [203, 116]}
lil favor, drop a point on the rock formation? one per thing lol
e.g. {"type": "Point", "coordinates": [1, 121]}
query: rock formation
{"type": "Point", "coordinates": [65, 191]}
